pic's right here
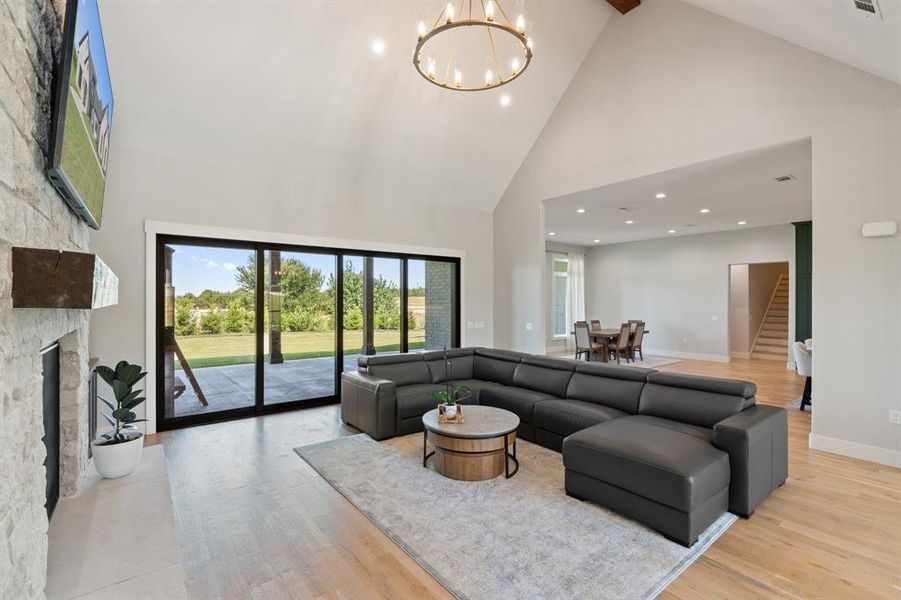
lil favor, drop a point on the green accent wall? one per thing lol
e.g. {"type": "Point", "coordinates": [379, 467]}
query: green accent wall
{"type": "Point", "coordinates": [803, 280]}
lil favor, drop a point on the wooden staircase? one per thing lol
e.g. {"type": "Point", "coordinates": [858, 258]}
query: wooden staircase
{"type": "Point", "coordinates": [772, 338]}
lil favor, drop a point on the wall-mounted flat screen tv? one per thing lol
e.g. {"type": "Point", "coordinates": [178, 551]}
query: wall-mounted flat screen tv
{"type": "Point", "coordinates": [82, 114]}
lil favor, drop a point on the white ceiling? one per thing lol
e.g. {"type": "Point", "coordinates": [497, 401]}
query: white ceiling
{"type": "Point", "coordinates": [293, 89]}
{"type": "Point", "coordinates": [834, 28]}
{"type": "Point", "coordinates": [734, 188]}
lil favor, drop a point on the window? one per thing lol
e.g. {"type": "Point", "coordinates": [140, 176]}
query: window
{"type": "Point", "coordinates": [559, 292]}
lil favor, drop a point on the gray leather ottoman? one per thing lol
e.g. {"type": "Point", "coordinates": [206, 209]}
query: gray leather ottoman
{"type": "Point", "coordinates": [672, 481]}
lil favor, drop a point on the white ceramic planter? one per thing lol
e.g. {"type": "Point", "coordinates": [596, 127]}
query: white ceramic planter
{"type": "Point", "coordinates": [118, 460]}
{"type": "Point", "coordinates": [450, 411]}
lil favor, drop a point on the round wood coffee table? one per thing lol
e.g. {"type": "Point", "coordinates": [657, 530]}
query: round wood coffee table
{"type": "Point", "coordinates": [477, 449]}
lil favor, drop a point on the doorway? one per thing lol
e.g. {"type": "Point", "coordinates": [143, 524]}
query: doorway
{"type": "Point", "coordinates": [759, 311]}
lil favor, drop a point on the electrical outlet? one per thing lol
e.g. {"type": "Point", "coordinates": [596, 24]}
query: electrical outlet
{"type": "Point", "coordinates": [894, 417]}
{"type": "Point", "coordinates": [528, 326]}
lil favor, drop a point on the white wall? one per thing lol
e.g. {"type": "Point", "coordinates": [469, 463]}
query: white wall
{"type": "Point", "coordinates": [147, 186]}
{"type": "Point", "coordinates": [679, 286]}
{"type": "Point", "coordinates": [670, 85]}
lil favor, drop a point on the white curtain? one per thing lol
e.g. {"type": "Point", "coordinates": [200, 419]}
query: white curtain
{"type": "Point", "coordinates": [575, 297]}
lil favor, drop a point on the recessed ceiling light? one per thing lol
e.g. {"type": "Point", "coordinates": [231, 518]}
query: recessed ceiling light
{"type": "Point", "coordinates": [704, 211]}
{"type": "Point", "coordinates": [378, 46]}
{"type": "Point", "coordinates": [672, 231]}
{"type": "Point", "coordinates": [580, 210]}
{"type": "Point", "coordinates": [660, 196]}
{"type": "Point", "coordinates": [597, 241]}
{"type": "Point", "coordinates": [552, 233]}
{"type": "Point", "coordinates": [742, 222]}
{"type": "Point", "coordinates": [629, 222]}
{"type": "Point", "coordinates": [505, 100]}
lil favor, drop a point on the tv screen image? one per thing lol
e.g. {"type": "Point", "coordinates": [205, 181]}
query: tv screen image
{"type": "Point", "coordinates": [83, 114]}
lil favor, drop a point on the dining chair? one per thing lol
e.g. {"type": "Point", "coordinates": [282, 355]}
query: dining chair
{"type": "Point", "coordinates": [635, 343]}
{"type": "Point", "coordinates": [596, 325]}
{"type": "Point", "coordinates": [584, 345]}
{"type": "Point", "coordinates": [803, 364]}
{"type": "Point", "coordinates": [809, 343]}
{"type": "Point", "coordinates": [621, 346]}
{"type": "Point", "coordinates": [633, 324]}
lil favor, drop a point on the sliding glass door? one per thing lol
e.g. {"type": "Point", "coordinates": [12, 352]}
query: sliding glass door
{"type": "Point", "coordinates": [246, 328]}
{"type": "Point", "coordinates": [299, 333]}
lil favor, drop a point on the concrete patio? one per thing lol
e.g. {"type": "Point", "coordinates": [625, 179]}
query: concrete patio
{"type": "Point", "coordinates": [232, 386]}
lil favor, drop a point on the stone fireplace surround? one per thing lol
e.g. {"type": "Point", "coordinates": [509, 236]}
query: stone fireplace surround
{"type": "Point", "coordinates": [33, 215]}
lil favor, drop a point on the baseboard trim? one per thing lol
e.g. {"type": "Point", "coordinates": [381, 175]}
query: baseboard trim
{"type": "Point", "coordinates": [883, 456]}
{"type": "Point", "coordinates": [687, 355]}
{"type": "Point", "coordinates": [740, 354]}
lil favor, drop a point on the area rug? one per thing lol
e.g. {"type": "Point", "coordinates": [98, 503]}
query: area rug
{"type": "Point", "coordinates": [504, 538]}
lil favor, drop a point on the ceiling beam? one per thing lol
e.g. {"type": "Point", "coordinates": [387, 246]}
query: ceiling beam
{"type": "Point", "coordinates": [624, 6]}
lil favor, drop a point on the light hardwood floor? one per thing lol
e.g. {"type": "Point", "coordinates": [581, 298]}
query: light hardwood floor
{"type": "Point", "coordinates": [255, 521]}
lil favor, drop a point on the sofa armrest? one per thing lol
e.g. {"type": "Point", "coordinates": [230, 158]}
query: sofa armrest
{"type": "Point", "coordinates": [369, 403]}
{"type": "Point", "coordinates": [756, 440]}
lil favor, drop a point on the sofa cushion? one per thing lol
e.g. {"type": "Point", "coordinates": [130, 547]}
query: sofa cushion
{"type": "Point", "coordinates": [666, 466]}
{"type": "Point", "coordinates": [544, 375]}
{"type": "Point", "coordinates": [495, 365]}
{"type": "Point", "coordinates": [516, 400]}
{"type": "Point", "coordinates": [610, 385]}
{"type": "Point", "coordinates": [461, 363]}
{"type": "Point", "coordinates": [702, 433]}
{"type": "Point", "coordinates": [477, 385]}
{"type": "Point", "coordinates": [403, 369]}
{"type": "Point", "coordinates": [569, 416]}
{"type": "Point", "coordinates": [416, 400]}
{"type": "Point", "coordinates": [694, 399]}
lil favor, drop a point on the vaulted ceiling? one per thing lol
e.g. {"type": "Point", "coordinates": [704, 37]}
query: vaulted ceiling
{"type": "Point", "coordinates": [293, 89]}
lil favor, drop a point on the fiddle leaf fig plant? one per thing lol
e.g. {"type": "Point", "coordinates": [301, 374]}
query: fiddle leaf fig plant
{"type": "Point", "coordinates": [122, 417]}
{"type": "Point", "coordinates": [451, 394]}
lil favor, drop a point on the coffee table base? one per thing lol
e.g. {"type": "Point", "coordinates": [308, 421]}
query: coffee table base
{"type": "Point", "coordinates": [471, 459]}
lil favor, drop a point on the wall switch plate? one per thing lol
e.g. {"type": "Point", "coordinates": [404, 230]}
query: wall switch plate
{"type": "Point", "coordinates": [894, 416]}
{"type": "Point", "coordinates": [480, 325]}
{"type": "Point", "coordinates": [469, 325]}
{"type": "Point", "coordinates": [715, 318]}
{"type": "Point", "coordinates": [528, 326]}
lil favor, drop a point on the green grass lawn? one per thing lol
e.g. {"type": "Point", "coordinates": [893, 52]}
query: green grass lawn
{"type": "Point", "coordinates": [78, 160]}
{"type": "Point", "coordinates": [238, 348]}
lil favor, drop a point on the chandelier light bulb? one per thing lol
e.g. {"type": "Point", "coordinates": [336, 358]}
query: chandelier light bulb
{"type": "Point", "coordinates": [529, 44]}
{"type": "Point", "coordinates": [489, 11]}
{"type": "Point", "coordinates": [431, 68]}
{"type": "Point", "coordinates": [458, 78]}
{"type": "Point", "coordinates": [420, 29]}
{"type": "Point", "coordinates": [521, 24]}
{"type": "Point", "coordinates": [449, 13]}
{"type": "Point", "coordinates": [514, 64]}
{"type": "Point", "coordinates": [489, 77]}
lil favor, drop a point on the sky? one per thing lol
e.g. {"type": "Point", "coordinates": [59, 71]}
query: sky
{"type": "Point", "coordinates": [197, 268]}
{"type": "Point", "coordinates": [88, 19]}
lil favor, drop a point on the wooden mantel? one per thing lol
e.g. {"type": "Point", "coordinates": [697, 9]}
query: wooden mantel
{"type": "Point", "coordinates": [56, 279]}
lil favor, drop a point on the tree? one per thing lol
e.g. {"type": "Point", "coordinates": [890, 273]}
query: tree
{"type": "Point", "coordinates": [235, 317]}
{"type": "Point", "coordinates": [184, 320]}
{"type": "Point", "coordinates": [211, 323]}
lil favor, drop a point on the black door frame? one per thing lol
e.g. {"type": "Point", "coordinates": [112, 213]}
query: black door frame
{"type": "Point", "coordinates": [259, 248]}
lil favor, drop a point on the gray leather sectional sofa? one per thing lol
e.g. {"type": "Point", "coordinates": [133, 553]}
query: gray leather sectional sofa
{"type": "Point", "coordinates": [672, 451]}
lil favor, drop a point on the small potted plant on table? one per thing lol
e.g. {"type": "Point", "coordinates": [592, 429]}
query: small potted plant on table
{"type": "Point", "coordinates": [452, 394]}
{"type": "Point", "coordinates": [118, 452]}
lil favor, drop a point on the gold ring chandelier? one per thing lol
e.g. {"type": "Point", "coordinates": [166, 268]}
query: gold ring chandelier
{"type": "Point", "coordinates": [450, 21]}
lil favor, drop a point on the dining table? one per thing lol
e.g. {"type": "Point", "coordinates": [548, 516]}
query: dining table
{"type": "Point", "coordinates": [605, 337]}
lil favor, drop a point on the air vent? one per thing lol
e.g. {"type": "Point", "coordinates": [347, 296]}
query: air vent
{"type": "Point", "coordinates": [784, 178]}
{"type": "Point", "coordinates": [868, 6]}
{"type": "Point", "coordinates": [625, 208]}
